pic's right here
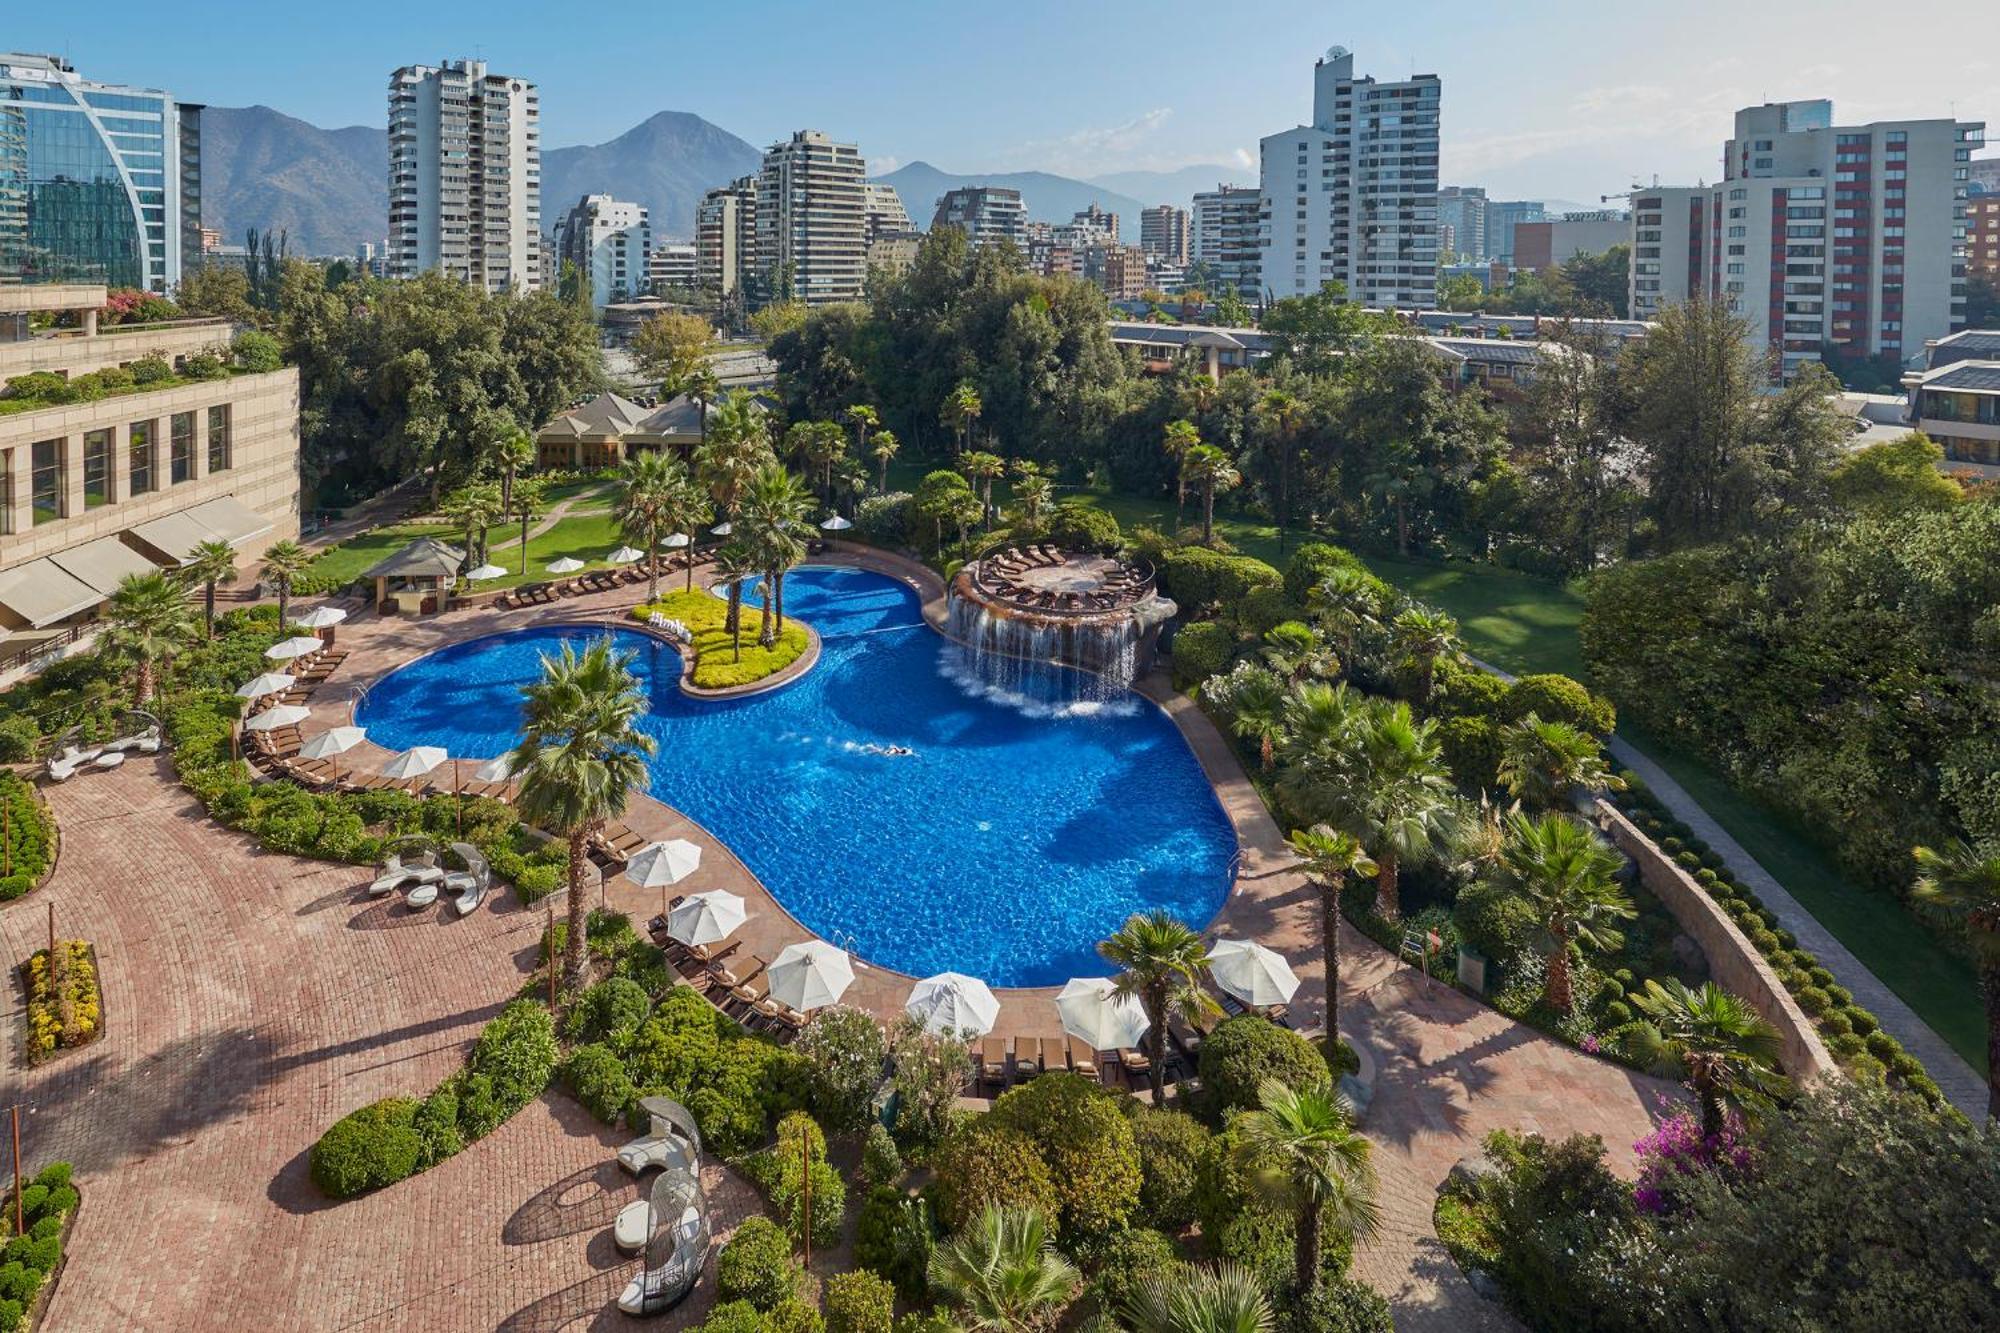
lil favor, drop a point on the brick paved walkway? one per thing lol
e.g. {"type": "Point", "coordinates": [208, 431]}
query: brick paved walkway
{"type": "Point", "coordinates": [253, 998]}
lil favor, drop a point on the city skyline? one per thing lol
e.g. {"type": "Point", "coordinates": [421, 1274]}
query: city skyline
{"type": "Point", "coordinates": [956, 91]}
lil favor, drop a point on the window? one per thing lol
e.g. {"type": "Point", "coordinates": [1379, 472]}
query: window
{"type": "Point", "coordinates": [182, 453]}
{"type": "Point", "coordinates": [47, 480]}
{"type": "Point", "coordinates": [96, 468]}
{"type": "Point", "coordinates": [218, 438]}
{"type": "Point", "coordinates": [140, 447]}
{"type": "Point", "coordinates": [6, 493]}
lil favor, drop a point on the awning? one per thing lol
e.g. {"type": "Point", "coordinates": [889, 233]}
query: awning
{"type": "Point", "coordinates": [104, 563]}
{"type": "Point", "coordinates": [230, 519]}
{"type": "Point", "coordinates": [41, 593]}
{"type": "Point", "coordinates": [174, 535]}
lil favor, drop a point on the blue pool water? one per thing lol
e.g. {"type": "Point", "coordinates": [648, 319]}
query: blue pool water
{"type": "Point", "coordinates": [1019, 833]}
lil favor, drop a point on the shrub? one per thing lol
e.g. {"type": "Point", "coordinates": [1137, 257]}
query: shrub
{"type": "Point", "coordinates": [1238, 1221]}
{"type": "Point", "coordinates": [1085, 1139]}
{"type": "Point", "coordinates": [734, 1317]}
{"type": "Point", "coordinates": [1339, 1304]}
{"type": "Point", "coordinates": [884, 519]}
{"type": "Point", "coordinates": [597, 1078]}
{"type": "Point", "coordinates": [843, 1049]}
{"type": "Point", "coordinates": [38, 385]}
{"type": "Point", "coordinates": [1555, 698]}
{"type": "Point", "coordinates": [860, 1302]}
{"type": "Point", "coordinates": [881, 1163]}
{"type": "Point", "coordinates": [793, 1316]}
{"type": "Point", "coordinates": [1201, 650]}
{"type": "Point", "coordinates": [894, 1236]}
{"type": "Point", "coordinates": [1200, 579]}
{"type": "Point", "coordinates": [780, 1173]}
{"type": "Point", "coordinates": [1472, 750]}
{"type": "Point", "coordinates": [367, 1149]}
{"type": "Point", "coordinates": [1840, 995]}
{"type": "Point", "coordinates": [1834, 1023]}
{"type": "Point", "coordinates": [1124, 1264]}
{"type": "Point", "coordinates": [436, 1124]}
{"type": "Point", "coordinates": [1245, 1050]}
{"type": "Point", "coordinates": [1861, 1022]}
{"type": "Point", "coordinates": [518, 1052]}
{"type": "Point", "coordinates": [1263, 608]}
{"type": "Point", "coordinates": [10, 1315]}
{"type": "Point", "coordinates": [1885, 1047]}
{"type": "Point", "coordinates": [757, 1266]}
{"type": "Point", "coordinates": [1310, 565]}
{"type": "Point", "coordinates": [609, 1012]}
{"type": "Point", "coordinates": [53, 1176]}
{"type": "Point", "coordinates": [257, 351]}
{"type": "Point", "coordinates": [1845, 1046]}
{"type": "Point", "coordinates": [1080, 527]}
{"type": "Point", "coordinates": [204, 366]}
{"type": "Point", "coordinates": [1459, 689]}
{"type": "Point", "coordinates": [985, 1163]}
{"type": "Point", "coordinates": [1170, 1145]}
{"type": "Point", "coordinates": [150, 370]}
{"type": "Point", "coordinates": [20, 739]}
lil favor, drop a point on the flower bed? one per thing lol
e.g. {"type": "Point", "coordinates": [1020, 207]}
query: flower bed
{"type": "Point", "coordinates": [1853, 1035]}
{"type": "Point", "coordinates": [721, 663]}
{"type": "Point", "coordinates": [29, 838]}
{"type": "Point", "coordinates": [65, 1008]}
{"type": "Point", "coordinates": [28, 1262]}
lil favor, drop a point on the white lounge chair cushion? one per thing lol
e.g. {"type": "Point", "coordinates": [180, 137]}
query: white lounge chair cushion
{"type": "Point", "coordinates": [423, 895]}
{"type": "Point", "coordinates": [628, 1231]}
{"type": "Point", "coordinates": [468, 902]}
{"type": "Point", "coordinates": [687, 1228]}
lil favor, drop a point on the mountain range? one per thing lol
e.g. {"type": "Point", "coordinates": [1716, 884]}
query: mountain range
{"type": "Point", "coordinates": [666, 162]}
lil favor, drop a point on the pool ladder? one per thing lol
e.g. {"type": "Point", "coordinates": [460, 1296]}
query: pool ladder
{"type": "Point", "coordinates": [845, 941]}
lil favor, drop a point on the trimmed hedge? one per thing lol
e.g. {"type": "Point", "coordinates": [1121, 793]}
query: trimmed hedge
{"type": "Point", "coordinates": [756, 1266]}
{"type": "Point", "coordinates": [30, 835]}
{"type": "Point", "coordinates": [720, 662]}
{"type": "Point", "coordinates": [1245, 1050]}
{"type": "Point", "coordinates": [780, 1173]}
{"type": "Point", "coordinates": [47, 1202]}
{"type": "Point", "coordinates": [1201, 650]}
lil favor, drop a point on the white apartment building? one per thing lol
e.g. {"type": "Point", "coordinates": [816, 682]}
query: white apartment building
{"type": "Point", "coordinates": [673, 264]}
{"type": "Point", "coordinates": [725, 236]}
{"type": "Point", "coordinates": [812, 219]}
{"type": "Point", "coordinates": [1166, 231]}
{"type": "Point", "coordinates": [1818, 234]}
{"type": "Point", "coordinates": [611, 242]}
{"type": "Point", "coordinates": [465, 168]}
{"type": "Point", "coordinates": [1226, 236]}
{"type": "Point", "coordinates": [1352, 197]}
{"type": "Point", "coordinates": [988, 214]}
{"type": "Point", "coordinates": [883, 213]}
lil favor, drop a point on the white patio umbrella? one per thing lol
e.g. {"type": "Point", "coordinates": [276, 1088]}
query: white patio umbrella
{"type": "Point", "coordinates": [721, 530]}
{"type": "Point", "coordinates": [284, 715]}
{"type": "Point", "coordinates": [707, 918]}
{"type": "Point", "coordinates": [566, 565]}
{"type": "Point", "coordinates": [661, 863]}
{"type": "Point", "coordinates": [836, 524]}
{"type": "Point", "coordinates": [625, 555]}
{"type": "Point", "coordinates": [290, 648]}
{"type": "Point", "coordinates": [810, 976]}
{"type": "Point", "coordinates": [1252, 973]}
{"type": "Point", "coordinates": [320, 617]}
{"type": "Point", "coordinates": [271, 682]}
{"type": "Point", "coordinates": [1100, 1018]}
{"type": "Point", "coordinates": [482, 572]}
{"type": "Point", "coordinates": [675, 542]}
{"type": "Point", "coordinates": [332, 741]}
{"type": "Point", "coordinates": [952, 1002]}
{"type": "Point", "coordinates": [495, 770]}
{"type": "Point", "coordinates": [415, 762]}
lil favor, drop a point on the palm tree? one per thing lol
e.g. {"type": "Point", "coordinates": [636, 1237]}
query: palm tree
{"type": "Point", "coordinates": [1403, 804]}
{"type": "Point", "coordinates": [146, 622]}
{"type": "Point", "coordinates": [1035, 495]}
{"type": "Point", "coordinates": [509, 453]}
{"type": "Point", "coordinates": [687, 510]}
{"type": "Point", "coordinates": [1162, 962]}
{"type": "Point", "coordinates": [1567, 874]}
{"type": "Point", "coordinates": [1284, 412]}
{"type": "Point", "coordinates": [1295, 652]}
{"type": "Point", "coordinates": [734, 563]}
{"type": "Point", "coordinates": [1211, 471]}
{"type": "Point", "coordinates": [1346, 602]}
{"type": "Point", "coordinates": [283, 563]}
{"type": "Point", "coordinates": [962, 407]}
{"type": "Point", "coordinates": [737, 444]}
{"type": "Point", "coordinates": [581, 753]}
{"type": "Point", "coordinates": [981, 469]}
{"type": "Point", "coordinates": [826, 446]}
{"type": "Point", "coordinates": [1423, 636]}
{"type": "Point", "coordinates": [703, 388]}
{"type": "Point", "coordinates": [1178, 438]}
{"type": "Point", "coordinates": [886, 445]}
{"type": "Point", "coordinates": [650, 488]}
{"type": "Point", "coordinates": [1960, 887]}
{"type": "Point", "coordinates": [473, 509]}
{"type": "Point", "coordinates": [1714, 1042]}
{"type": "Point", "coordinates": [1541, 763]}
{"type": "Point", "coordinates": [773, 508]}
{"type": "Point", "coordinates": [528, 495]}
{"type": "Point", "coordinates": [209, 564]}
{"type": "Point", "coordinates": [1300, 1146]}
{"type": "Point", "coordinates": [1328, 856]}
{"type": "Point", "coordinates": [1257, 712]}
{"type": "Point", "coordinates": [864, 419]}
{"type": "Point", "coordinates": [1003, 1272]}
{"type": "Point", "coordinates": [1228, 1298]}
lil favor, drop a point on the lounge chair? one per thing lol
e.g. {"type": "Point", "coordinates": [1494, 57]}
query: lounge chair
{"type": "Point", "coordinates": [470, 883]}
{"type": "Point", "coordinates": [1026, 1063]}
{"type": "Point", "coordinates": [66, 765]}
{"type": "Point", "coordinates": [396, 872]}
{"type": "Point", "coordinates": [1054, 1056]}
{"type": "Point", "coordinates": [140, 742]}
{"type": "Point", "coordinates": [729, 977]}
{"type": "Point", "coordinates": [1082, 1060]}
{"type": "Point", "coordinates": [423, 895]}
{"type": "Point", "coordinates": [993, 1061]}
{"type": "Point", "coordinates": [1135, 1062]}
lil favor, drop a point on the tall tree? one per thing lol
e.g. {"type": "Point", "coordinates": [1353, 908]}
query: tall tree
{"type": "Point", "coordinates": [1180, 436]}
{"type": "Point", "coordinates": [1960, 887]}
{"type": "Point", "coordinates": [1212, 471]}
{"type": "Point", "coordinates": [1300, 1146]}
{"type": "Point", "coordinates": [982, 470]}
{"type": "Point", "coordinates": [962, 408]}
{"type": "Point", "coordinates": [735, 562]}
{"type": "Point", "coordinates": [1283, 414]}
{"type": "Point", "coordinates": [1401, 806]}
{"type": "Point", "coordinates": [210, 564]}
{"type": "Point", "coordinates": [1542, 764]}
{"type": "Point", "coordinates": [671, 348]}
{"type": "Point", "coordinates": [654, 492]}
{"type": "Point", "coordinates": [1329, 856]}
{"type": "Point", "coordinates": [146, 622]}
{"type": "Point", "coordinates": [580, 755]}
{"type": "Point", "coordinates": [773, 510]}
{"type": "Point", "coordinates": [1424, 635]}
{"type": "Point", "coordinates": [738, 444]}
{"type": "Point", "coordinates": [886, 445]}
{"type": "Point", "coordinates": [283, 563]}
{"type": "Point", "coordinates": [1714, 1042]}
{"type": "Point", "coordinates": [510, 451]}
{"type": "Point", "coordinates": [473, 510]}
{"type": "Point", "coordinates": [1568, 876]}
{"type": "Point", "coordinates": [1161, 962]}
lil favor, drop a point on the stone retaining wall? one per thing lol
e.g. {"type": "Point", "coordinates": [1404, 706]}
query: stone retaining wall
{"type": "Point", "coordinates": [1733, 960]}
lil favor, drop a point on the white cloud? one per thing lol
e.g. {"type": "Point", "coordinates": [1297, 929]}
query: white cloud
{"type": "Point", "coordinates": [1243, 157]}
{"type": "Point", "coordinates": [881, 164]}
{"type": "Point", "coordinates": [1134, 144]}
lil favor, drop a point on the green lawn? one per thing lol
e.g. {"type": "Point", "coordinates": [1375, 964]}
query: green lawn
{"type": "Point", "coordinates": [1513, 621]}
{"type": "Point", "coordinates": [588, 536]}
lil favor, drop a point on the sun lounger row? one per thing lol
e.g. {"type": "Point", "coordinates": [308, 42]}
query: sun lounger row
{"type": "Point", "coordinates": [998, 1068]}
{"type": "Point", "coordinates": [599, 580]}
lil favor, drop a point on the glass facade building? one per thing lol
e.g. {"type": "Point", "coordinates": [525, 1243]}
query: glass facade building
{"type": "Point", "coordinates": [98, 182]}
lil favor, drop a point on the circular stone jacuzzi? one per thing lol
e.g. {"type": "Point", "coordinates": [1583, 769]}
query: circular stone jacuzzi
{"type": "Point", "coordinates": [1041, 604]}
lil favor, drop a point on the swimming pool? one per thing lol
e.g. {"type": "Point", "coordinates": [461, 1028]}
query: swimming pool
{"type": "Point", "coordinates": [1017, 833]}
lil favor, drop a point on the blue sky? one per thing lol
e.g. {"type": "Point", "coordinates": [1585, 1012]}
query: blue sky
{"type": "Point", "coordinates": [1553, 98]}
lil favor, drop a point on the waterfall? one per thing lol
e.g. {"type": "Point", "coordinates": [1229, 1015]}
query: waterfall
{"type": "Point", "coordinates": [1044, 665]}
